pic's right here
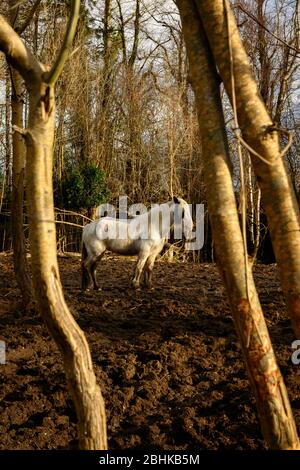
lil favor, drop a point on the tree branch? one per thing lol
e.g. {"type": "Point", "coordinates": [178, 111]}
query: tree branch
{"type": "Point", "coordinates": [18, 55]}
{"type": "Point", "coordinates": [136, 34]}
{"type": "Point", "coordinates": [290, 46]}
{"type": "Point", "coordinates": [58, 66]}
{"type": "Point", "coordinates": [20, 29]}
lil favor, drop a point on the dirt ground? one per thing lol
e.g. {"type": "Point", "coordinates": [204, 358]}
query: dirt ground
{"type": "Point", "coordinates": [168, 361]}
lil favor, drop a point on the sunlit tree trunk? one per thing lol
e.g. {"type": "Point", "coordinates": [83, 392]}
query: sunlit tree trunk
{"type": "Point", "coordinates": [251, 211]}
{"type": "Point", "coordinates": [278, 198]}
{"type": "Point", "coordinates": [39, 137]}
{"type": "Point", "coordinates": [277, 422]}
{"type": "Point", "coordinates": [18, 175]}
{"type": "Point", "coordinates": [7, 133]}
{"type": "Point", "coordinates": [257, 222]}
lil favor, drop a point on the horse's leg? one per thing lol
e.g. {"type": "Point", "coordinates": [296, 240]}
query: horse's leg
{"type": "Point", "coordinates": [149, 269]}
{"type": "Point", "coordinates": [138, 269]}
{"type": "Point", "coordinates": [150, 263]}
{"type": "Point", "coordinates": [87, 278]}
{"type": "Point", "coordinates": [94, 270]}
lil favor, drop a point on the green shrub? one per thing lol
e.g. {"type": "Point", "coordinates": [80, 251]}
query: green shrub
{"type": "Point", "coordinates": [84, 188]}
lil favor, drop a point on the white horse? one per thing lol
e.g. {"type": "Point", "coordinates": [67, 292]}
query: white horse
{"type": "Point", "coordinates": [143, 236]}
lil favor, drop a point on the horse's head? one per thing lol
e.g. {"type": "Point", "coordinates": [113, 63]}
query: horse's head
{"type": "Point", "coordinates": [182, 211]}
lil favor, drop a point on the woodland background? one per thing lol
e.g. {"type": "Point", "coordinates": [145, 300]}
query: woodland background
{"type": "Point", "coordinates": [126, 117]}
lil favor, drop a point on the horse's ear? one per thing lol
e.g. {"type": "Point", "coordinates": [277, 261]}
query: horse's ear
{"type": "Point", "coordinates": [176, 200]}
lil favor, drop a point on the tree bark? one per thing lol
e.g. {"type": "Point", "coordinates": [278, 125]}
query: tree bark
{"type": "Point", "coordinates": [251, 199]}
{"type": "Point", "coordinates": [136, 38]}
{"type": "Point", "coordinates": [257, 223]}
{"type": "Point", "coordinates": [263, 55]}
{"type": "Point", "coordinates": [276, 418]}
{"type": "Point", "coordinates": [278, 198]}
{"type": "Point", "coordinates": [39, 138]}
{"type": "Point", "coordinates": [107, 53]}
{"type": "Point", "coordinates": [18, 175]}
{"type": "Point", "coordinates": [6, 186]}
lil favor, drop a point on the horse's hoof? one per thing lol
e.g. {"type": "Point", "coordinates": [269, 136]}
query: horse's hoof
{"type": "Point", "coordinates": [86, 289]}
{"type": "Point", "coordinates": [136, 286]}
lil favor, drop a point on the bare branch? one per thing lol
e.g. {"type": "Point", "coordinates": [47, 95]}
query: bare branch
{"type": "Point", "coordinates": [18, 55]}
{"type": "Point", "coordinates": [58, 66]}
{"type": "Point", "coordinates": [20, 29]}
{"type": "Point", "coordinates": [238, 5]}
{"type": "Point", "coordinates": [136, 34]}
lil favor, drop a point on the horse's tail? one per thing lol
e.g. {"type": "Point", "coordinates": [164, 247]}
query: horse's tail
{"type": "Point", "coordinates": [84, 273]}
{"type": "Point", "coordinates": [84, 252]}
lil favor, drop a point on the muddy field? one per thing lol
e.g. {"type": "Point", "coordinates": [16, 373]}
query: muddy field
{"type": "Point", "coordinates": [168, 361]}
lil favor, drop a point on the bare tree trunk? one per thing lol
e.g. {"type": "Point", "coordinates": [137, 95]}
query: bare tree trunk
{"type": "Point", "coordinates": [251, 199]}
{"type": "Point", "coordinates": [257, 223]}
{"type": "Point", "coordinates": [18, 238]}
{"type": "Point", "coordinates": [263, 55]}
{"type": "Point", "coordinates": [277, 422]}
{"type": "Point", "coordinates": [107, 45]}
{"type": "Point", "coordinates": [278, 196]}
{"type": "Point", "coordinates": [133, 55]}
{"type": "Point", "coordinates": [67, 334]}
{"type": "Point", "coordinates": [105, 86]}
{"type": "Point", "coordinates": [107, 21]}
{"type": "Point", "coordinates": [61, 148]}
{"type": "Point", "coordinates": [18, 174]}
{"type": "Point", "coordinates": [39, 139]}
{"type": "Point", "coordinates": [122, 32]}
{"type": "Point", "coordinates": [7, 135]}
